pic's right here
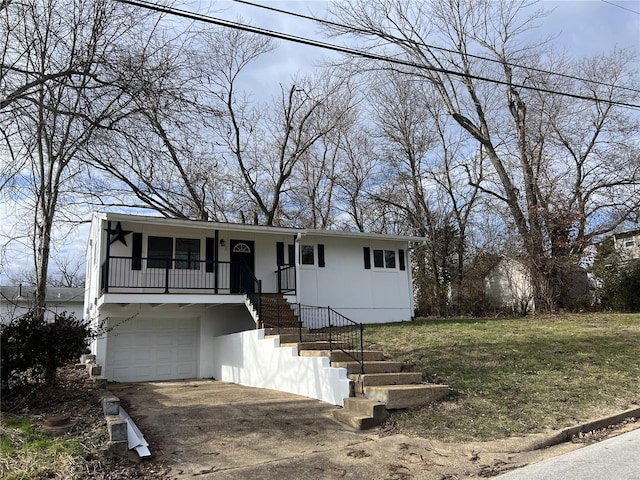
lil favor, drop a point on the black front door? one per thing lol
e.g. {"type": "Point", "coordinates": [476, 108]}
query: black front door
{"type": "Point", "coordinates": [242, 265]}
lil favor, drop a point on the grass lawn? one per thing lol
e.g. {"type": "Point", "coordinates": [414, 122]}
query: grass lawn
{"type": "Point", "coordinates": [518, 375]}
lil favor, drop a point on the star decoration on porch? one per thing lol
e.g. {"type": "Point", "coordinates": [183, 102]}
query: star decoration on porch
{"type": "Point", "coordinates": [118, 234]}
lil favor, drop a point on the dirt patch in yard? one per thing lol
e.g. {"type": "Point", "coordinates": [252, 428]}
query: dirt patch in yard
{"type": "Point", "coordinates": [212, 430]}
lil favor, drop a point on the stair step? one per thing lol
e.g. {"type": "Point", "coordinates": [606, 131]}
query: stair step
{"type": "Point", "coordinates": [405, 396]}
{"type": "Point", "coordinates": [380, 366]}
{"type": "Point", "coordinates": [320, 345]}
{"type": "Point", "coordinates": [358, 422]}
{"type": "Point", "coordinates": [376, 379]}
{"type": "Point", "coordinates": [281, 324]}
{"type": "Point", "coordinates": [365, 407]}
{"type": "Point", "coordinates": [287, 338]}
{"type": "Point", "coordinates": [361, 413]}
{"type": "Point", "coordinates": [284, 331]}
{"type": "Point", "coordinates": [340, 356]}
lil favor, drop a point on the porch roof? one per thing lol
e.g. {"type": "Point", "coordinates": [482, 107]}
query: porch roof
{"type": "Point", "coordinates": [238, 227]}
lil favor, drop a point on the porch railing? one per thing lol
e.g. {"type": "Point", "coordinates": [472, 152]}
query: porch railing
{"type": "Point", "coordinates": [341, 332]}
{"type": "Point", "coordinates": [171, 275]}
{"type": "Point", "coordinates": [286, 279]}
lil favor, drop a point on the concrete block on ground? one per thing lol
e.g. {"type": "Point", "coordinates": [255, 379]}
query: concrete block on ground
{"type": "Point", "coordinates": [117, 428]}
{"type": "Point", "coordinates": [110, 404]}
{"type": "Point", "coordinates": [80, 366]}
{"type": "Point", "coordinates": [87, 358]}
{"type": "Point", "coordinates": [118, 447]}
{"type": "Point", "coordinates": [100, 382]}
{"type": "Point", "coordinates": [94, 369]}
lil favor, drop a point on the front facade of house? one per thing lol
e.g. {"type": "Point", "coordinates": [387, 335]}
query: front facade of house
{"type": "Point", "coordinates": [164, 291]}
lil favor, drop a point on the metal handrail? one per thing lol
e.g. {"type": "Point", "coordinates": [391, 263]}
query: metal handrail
{"type": "Point", "coordinates": [341, 332]}
{"type": "Point", "coordinates": [175, 274]}
{"type": "Point", "coordinates": [255, 297]}
{"type": "Point", "coordinates": [286, 278]}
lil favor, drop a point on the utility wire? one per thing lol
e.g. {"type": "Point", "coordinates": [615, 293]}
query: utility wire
{"type": "Point", "coordinates": [433, 47]}
{"type": "Point", "coordinates": [622, 7]}
{"type": "Point", "coordinates": [350, 51]}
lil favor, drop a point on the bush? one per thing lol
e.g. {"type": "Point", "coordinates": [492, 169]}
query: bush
{"type": "Point", "coordinates": [620, 287]}
{"type": "Point", "coordinates": [31, 349]}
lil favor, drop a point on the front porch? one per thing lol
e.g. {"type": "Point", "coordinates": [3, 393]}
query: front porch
{"type": "Point", "coordinates": [131, 275]}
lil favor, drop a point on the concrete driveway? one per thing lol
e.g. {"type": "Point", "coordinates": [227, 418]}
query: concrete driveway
{"type": "Point", "coordinates": [205, 429]}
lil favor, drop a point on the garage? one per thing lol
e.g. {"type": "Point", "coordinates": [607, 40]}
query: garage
{"type": "Point", "coordinates": [141, 350]}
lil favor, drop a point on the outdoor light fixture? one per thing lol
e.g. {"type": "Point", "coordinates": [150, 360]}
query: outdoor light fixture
{"type": "Point", "coordinates": [222, 242]}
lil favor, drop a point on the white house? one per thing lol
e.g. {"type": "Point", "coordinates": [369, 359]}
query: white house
{"type": "Point", "coordinates": [627, 245]}
{"type": "Point", "coordinates": [18, 300]}
{"type": "Point", "coordinates": [188, 299]}
{"type": "Point", "coordinates": [508, 285]}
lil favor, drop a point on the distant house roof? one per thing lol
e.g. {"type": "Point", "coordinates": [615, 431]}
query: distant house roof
{"type": "Point", "coordinates": [627, 233]}
{"type": "Point", "coordinates": [57, 295]}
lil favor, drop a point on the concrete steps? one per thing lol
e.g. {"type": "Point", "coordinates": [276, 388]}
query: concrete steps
{"type": "Point", "coordinates": [343, 356]}
{"type": "Point", "coordinates": [376, 379]}
{"type": "Point", "coordinates": [277, 313]}
{"type": "Point", "coordinates": [382, 387]}
{"type": "Point", "coordinates": [379, 366]}
{"type": "Point", "coordinates": [361, 413]}
{"type": "Point", "coordinates": [406, 396]}
{"type": "Point", "coordinates": [313, 346]}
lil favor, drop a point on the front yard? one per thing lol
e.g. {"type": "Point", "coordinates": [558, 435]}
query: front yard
{"type": "Point", "coordinates": [512, 376]}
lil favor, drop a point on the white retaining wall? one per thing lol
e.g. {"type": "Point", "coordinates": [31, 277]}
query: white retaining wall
{"type": "Point", "coordinates": [247, 358]}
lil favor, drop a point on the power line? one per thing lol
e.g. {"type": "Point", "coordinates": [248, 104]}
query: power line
{"type": "Point", "coordinates": [620, 6]}
{"type": "Point", "coordinates": [442, 49]}
{"type": "Point", "coordinates": [340, 49]}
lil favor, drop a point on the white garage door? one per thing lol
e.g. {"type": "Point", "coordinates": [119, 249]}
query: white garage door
{"type": "Point", "coordinates": [140, 350]}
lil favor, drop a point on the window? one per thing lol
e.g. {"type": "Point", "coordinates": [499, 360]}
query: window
{"type": "Point", "coordinates": [384, 258]}
{"type": "Point", "coordinates": [307, 254]}
{"type": "Point", "coordinates": [188, 253]}
{"type": "Point", "coordinates": [378, 258]}
{"type": "Point", "coordinates": [367, 257]}
{"type": "Point", "coordinates": [390, 259]}
{"type": "Point", "coordinates": [159, 252]}
{"type": "Point", "coordinates": [630, 243]}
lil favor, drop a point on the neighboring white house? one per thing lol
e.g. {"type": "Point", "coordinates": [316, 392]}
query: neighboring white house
{"type": "Point", "coordinates": [508, 285]}
{"type": "Point", "coordinates": [17, 300]}
{"type": "Point", "coordinates": [170, 294]}
{"type": "Point", "coordinates": [627, 245]}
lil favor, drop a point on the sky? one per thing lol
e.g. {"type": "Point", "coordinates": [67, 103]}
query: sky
{"type": "Point", "coordinates": [583, 28]}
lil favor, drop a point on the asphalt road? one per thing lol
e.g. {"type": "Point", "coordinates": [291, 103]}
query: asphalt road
{"type": "Point", "coordinates": [617, 458]}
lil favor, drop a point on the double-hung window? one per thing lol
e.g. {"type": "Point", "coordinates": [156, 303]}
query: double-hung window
{"type": "Point", "coordinates": [384, 258]}
{"type": "Point", "coordinates": [188, 253]}
{"type": "Point", "coordinates": [160, 253]}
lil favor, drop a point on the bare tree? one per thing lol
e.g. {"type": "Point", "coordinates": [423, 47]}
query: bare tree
{"type": "Point", "coordinates": [60, 94]}
{"type": "Point", "coordinates": [499, 117]}
{"type": "Point", "coordinates": [159, 153]}
{"type": "Point", "coordinates": [277, 142]}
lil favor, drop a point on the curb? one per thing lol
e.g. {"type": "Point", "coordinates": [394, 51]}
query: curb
{"type": "Point", "coordinates": [568, 433]}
